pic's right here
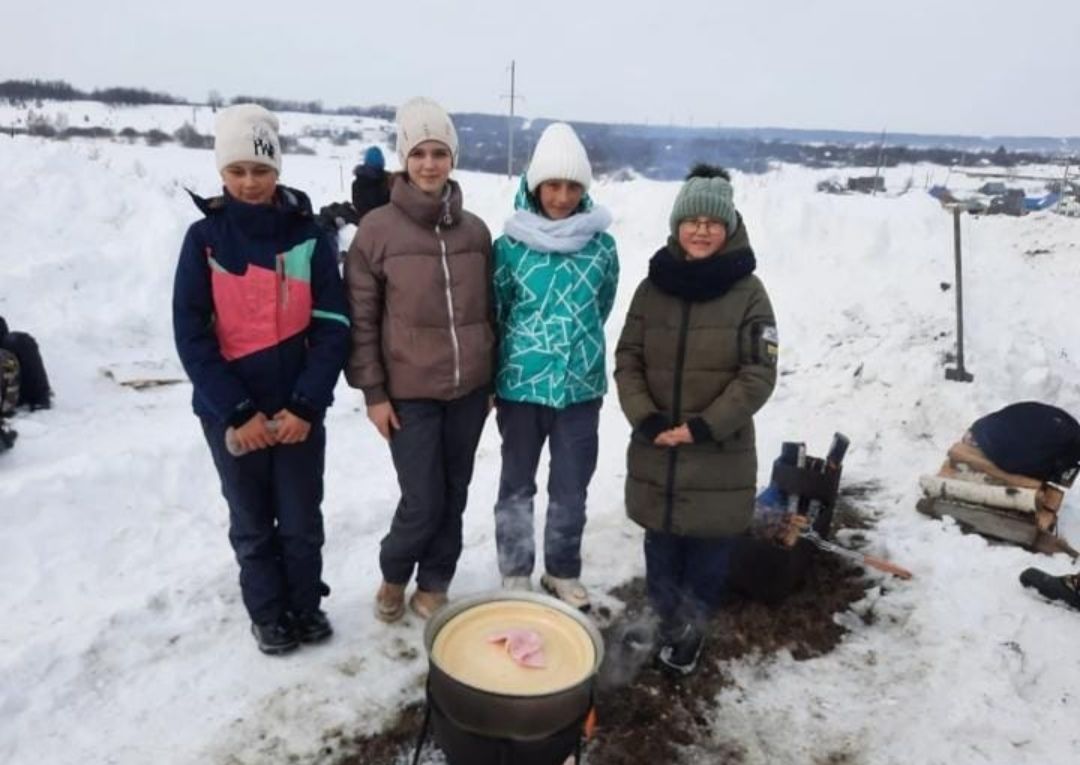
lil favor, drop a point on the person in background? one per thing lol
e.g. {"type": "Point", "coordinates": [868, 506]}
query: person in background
{"type": "Point", "coordinates": [419, 284]}
{"type": "Point", "coordinates": [696, 359]}
{"type": "Point", "coordinates": [261, 327]}
{"type": "Point", "coordinates": [371, 183]}
{"type": "Point", "coordinates": [556, 271]}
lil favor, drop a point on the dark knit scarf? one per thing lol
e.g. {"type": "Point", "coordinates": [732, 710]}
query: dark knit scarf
{"type": "Point", "coordinates": [700, 280]}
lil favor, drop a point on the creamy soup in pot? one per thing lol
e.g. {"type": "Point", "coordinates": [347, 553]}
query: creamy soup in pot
{"type": "Point", "coordinates": [463, 650]}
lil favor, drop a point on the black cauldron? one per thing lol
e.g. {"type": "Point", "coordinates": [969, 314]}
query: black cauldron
{"type": "Point", "coordinates": [476, 724]}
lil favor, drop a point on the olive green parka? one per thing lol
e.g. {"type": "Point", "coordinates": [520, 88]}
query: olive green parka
{"type": "Point", "coordinates": [701, 349]}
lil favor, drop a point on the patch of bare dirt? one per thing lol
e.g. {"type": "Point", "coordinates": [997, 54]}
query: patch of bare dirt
{"type": "Point", "coordinates": [646, 716]}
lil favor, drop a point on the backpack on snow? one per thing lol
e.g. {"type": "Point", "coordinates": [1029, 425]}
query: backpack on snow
{"type": "Point", "coordinates": [33, 387]}
{"type": "Point", "coordinates": [1031, 439]}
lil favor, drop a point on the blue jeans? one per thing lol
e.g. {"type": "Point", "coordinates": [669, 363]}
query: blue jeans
{"type": "Point", "coordinates": [571, 434]}
{"type": "Point", "coordinates": [686, 577]}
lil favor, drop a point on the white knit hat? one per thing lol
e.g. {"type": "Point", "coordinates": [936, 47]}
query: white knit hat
{"type": "Point", "coordinates": [247, 133]}
{"type": "Point", "coordinates": [421, 119]}
{"type": "Point", "coordinates": [559, 156]}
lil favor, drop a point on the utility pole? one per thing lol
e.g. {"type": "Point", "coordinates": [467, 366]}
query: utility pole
{"type": "Point", "coordinates": [510, 126]}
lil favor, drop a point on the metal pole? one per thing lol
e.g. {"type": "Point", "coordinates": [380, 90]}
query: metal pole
{"type": "Point", "coordinates": [510, 128]}
{"type": "Point", "coordinates": [959, 374]}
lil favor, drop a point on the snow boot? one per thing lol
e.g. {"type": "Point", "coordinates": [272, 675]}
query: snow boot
{"type": "Point", "coordinates": [390, 602]}
{"type": "Point", "coordinates": [275, 638]}
{"type": "Point", "coordinates": [1064, 588]}
{"type": "Point", "coordinates": [569, 590]}
{"type": "Point", "coordinates": [312, 626]}
{"type": "Point", "coordinates": [523, 583]}
{"type": "Point", "coordinates": [424, 603]}
{"type": "Point", "coordinates": [681, 650]}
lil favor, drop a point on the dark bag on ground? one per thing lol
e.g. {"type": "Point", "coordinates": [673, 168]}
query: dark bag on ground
{"type": "Point", "coordinates": [1031, 439]}
{"type": "Point", "coordinates": [34, 390]}
{"type": "Point", "coordinates": [9, 396]}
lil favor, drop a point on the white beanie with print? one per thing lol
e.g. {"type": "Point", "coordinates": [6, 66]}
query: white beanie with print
{"type": "Point", "coordinates": [247, 133]}
{"type": "Point", "coordinates": [559, 156]}
{"type": "Point", "coordinates": [421, 119]}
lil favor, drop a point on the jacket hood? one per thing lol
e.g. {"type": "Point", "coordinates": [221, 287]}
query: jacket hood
{"type": "Point", "coordinates": [286, 198]}
{"type": "Point", "coordinates": [526, 200]}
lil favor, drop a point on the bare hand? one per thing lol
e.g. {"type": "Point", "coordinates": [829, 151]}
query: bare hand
{"type": "Point", "coordinates": [254, 434]}
{"type": "Point", "coordinates": [291, 429]}
{"type": "Point", "coordinates": [674, 437]}
{"type": "Point", "coordinates": [384, 418]}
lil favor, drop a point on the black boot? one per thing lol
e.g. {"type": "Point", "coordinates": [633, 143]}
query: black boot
{"type": "Point", "coordinates": [275, 638]}
{"type": "Point", "coordinates": [1063, 588]}
{"type": "Point", "coordinates": [312, 626]}
{"type": "Point", "coordinates": [680, 650]}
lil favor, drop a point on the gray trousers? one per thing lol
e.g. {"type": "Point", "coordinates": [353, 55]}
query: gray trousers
{"type": "Point", "coordinates": [433, 455]}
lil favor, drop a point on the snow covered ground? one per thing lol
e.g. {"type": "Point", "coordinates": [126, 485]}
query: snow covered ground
{"type": "Point", "coordinates": [124, 640]}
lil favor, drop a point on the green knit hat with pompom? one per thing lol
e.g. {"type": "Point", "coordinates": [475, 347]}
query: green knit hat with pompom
{"type": "Point", "coordinates": [706, 193]}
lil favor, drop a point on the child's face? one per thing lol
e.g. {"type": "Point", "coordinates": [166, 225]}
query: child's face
{"type": "Point", "coordinates": [559, 199]}
{"type": "Point", "coordinates": [428, 166]}
{"type": "Point", "coordinates": [250, 182]}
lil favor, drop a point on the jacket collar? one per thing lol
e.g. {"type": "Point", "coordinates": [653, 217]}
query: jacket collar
{"type": "Point", "coordinates": [426, 210]}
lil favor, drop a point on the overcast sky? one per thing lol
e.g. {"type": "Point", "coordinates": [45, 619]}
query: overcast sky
{"type": "Point", "coordinates": [980, 67]}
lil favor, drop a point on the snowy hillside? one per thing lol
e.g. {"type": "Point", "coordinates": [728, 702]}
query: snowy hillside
{"type": "Point", "coordinates": [124, 640]}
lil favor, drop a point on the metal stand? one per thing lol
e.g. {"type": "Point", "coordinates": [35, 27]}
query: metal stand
{"type": "Point", "coordinates": [959, 374]}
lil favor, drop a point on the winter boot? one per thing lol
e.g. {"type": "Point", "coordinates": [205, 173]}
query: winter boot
{"type": "Point", "coordinates": [424, 603]}
{"type": "Point", "coordinates": [522, 583]}
{"type": "Point", "coordinates": [312, 626]}
{"type": "Point", "coordinates": [275, 638]}
{"type": "Point", "coordinates": [569, 590]}
{"type": "Point", "coordinates": [681, 650]}
{"type": "Point", "coordinates": [1064, 588]}
{"type": "Point", "coordinates": [390, 602]}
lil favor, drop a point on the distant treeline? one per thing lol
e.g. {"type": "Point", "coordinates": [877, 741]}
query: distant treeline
{"type": "Point", "coordinates": [58, 90]}
{"type": "Point", "coordinates": [654, 151]}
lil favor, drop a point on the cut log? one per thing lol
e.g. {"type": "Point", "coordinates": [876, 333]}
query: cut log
{"type": "Point", "coordinates": [1023, 500]}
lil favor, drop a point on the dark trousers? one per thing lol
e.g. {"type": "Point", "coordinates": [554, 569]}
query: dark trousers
{"type": "Point", "coordinates": [433, 454]}
{"type": "Point", "coordinates": [571, 434]}
{"type": "Point", "coordinates": [275, 521]}
{"type": "Point", "coordinates": [686, 577]}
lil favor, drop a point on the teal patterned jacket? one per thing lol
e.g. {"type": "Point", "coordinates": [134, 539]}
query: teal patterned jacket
{"type": "Point", "coordinates": [550, 309]}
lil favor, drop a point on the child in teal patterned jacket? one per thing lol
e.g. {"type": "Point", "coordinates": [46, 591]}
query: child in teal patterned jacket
{"type": "Point", "coordinates": [556, 271]}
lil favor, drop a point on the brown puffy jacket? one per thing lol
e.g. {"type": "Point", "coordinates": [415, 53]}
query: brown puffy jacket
{"type": "Point", "coordinates": [419, 280]}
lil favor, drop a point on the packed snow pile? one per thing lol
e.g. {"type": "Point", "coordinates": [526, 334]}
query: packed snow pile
{"type": "Point", "coordinates": [125, 640]}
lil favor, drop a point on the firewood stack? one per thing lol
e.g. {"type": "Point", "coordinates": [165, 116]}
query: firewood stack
{"type": "Point", "coordinates": [991, 502]}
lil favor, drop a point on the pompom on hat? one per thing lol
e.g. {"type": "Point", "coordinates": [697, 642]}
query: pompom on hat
{"type": "Point", "coordinates": [247, 133]}
{"type": "Point", "coordinates": [707, 192]}
{"type": "Point", "coordinates": [559, 156]}
{"type": "Point", "coordinates": [421, 119]}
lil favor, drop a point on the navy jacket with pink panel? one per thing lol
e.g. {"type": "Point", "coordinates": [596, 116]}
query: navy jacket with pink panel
{"type": "Point", "coordinates": [259, 310]}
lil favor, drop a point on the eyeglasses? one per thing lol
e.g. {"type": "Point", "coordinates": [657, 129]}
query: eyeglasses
{"type": "Point", "coordinates": [696, 224]}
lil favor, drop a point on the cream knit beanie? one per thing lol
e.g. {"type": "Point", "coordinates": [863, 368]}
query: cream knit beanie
{"type": "Point", "coordinates": [247, 133]}
{"type": "Point", "coordinates": [421, 119]}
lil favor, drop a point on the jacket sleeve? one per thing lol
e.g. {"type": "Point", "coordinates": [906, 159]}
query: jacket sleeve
{"type": "Point", "coordinates": [756, 378]}
{"type": "Point", "coordinates": [366, 290]}
{"type": "Point", "coordinates": [502, 292]}
{"type": "Point", "coordinates": [610, 284]}
{"type": "Point", "coordinates": [193, 330]}
{"type": "Point", "coordinates": [634, 397]}
{"type": "Point", "coordinates": [327, 336]}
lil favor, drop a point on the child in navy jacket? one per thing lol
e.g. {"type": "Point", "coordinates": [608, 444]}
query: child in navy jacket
{"type": "Point", "coordinates": [261, 326]}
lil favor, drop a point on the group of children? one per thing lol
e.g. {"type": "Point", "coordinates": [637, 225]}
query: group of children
{"type": "Point", "coordinates": [436, 324]}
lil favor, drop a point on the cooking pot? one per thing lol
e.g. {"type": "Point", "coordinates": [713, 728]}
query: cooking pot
{"type": "Point", "coordinates": [478, 687]}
